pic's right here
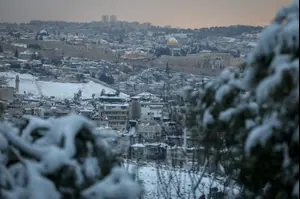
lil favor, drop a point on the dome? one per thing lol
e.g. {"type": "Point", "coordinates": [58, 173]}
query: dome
{"type": "Point", "coordinates": [172, 41]}
{"type": "Point", "coordinates": [43, 32]}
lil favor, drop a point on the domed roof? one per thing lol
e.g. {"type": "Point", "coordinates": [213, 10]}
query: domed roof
{"type": "Point", "coordinates": [172, 41]}
{"type": "Point", "coordinates": [43, 32]}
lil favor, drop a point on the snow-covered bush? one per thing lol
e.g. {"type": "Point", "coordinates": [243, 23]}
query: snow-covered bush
{"type": "Point", "coordinates": [60, 158]}
{"type": "Point", "coordinates": [255, 116]}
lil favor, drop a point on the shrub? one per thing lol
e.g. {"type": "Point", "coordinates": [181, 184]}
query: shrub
{"type": "Point", "coordinates": [62, 158]}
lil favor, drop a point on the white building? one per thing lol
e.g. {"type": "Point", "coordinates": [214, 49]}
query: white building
{"type": "Point", "coordinates": [149, 130]}
{"type": "Point", "coordinates": [117, 115]}
{"type": "Point", "coordinates": [113, 18]}
{"type": "Point", "coordinates": [26, 55]}
{"type": "Point", "coordinates": [180, 156]}
{"type": "Point", "coordinates": [149, 151]}
{"type": "Point", "coordinates": [151, 112]}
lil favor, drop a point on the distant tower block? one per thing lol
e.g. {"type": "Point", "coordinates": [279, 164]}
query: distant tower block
{"type": "Point", "coordinates": [113, 18]}
{"type": "Point", "coordinates": [17, 83]}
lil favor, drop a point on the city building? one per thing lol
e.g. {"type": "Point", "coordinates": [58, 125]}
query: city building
{"type": "Point", "coordinates": [116, 115]}
{"type": "Point", "coordinates": [135, 55]}
{"type": "Point", "coordinates": [206, 63]}
{"type": "Point", "coordinates": [7, 94]}
{"type": "Point", "coordinates": [172, 43]}
{"type": "Point", "coordinates": [149, 151]}
{"type": "Point", "coordinates": [113, 18]}
{"type": "Point", "coordinates": [236, 61]}
{"type": "Point", "coordinates": [26, 55]}
{"type": "Point", "coordinates": [149, 131]}
{"type": "Point", "coordinates": [178, 156]}
{"type": "Point", "coordinates": [36, 111]}
{"type": "Point", "coordinates": [183, 39]}
{"type": "Point", "coordinates": [105, 18]}
{"type": "Point", "coordinates": [151, 112]}
{"type": "Point", "coordinates": [145, 26]}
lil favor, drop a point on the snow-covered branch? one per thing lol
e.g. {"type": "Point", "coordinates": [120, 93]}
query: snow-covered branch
{"type": "Point", "coordinates": [255, 116]}
{"type": "Point", "coordinates": [62, 158]}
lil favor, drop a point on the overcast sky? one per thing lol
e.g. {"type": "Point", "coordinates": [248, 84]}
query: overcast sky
{"type": "Point", "coordinates": [177, 13]}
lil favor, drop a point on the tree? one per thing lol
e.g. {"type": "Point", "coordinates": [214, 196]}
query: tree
{"type": "Point", "coordinates": [254, 115]}
{"type": "Point", "coordinates": [35, 56]}
{"type": "Point", "coordinates": [107, 79]}
{"type": "Point", "coordinates": [183, 52]}
{"type": "Point", "coordinates": [162, 51]}
{"type": "Point", "coordinates": [67, 103]}
{"type": "Point", "coordinates": [117, 93]}
{"type": "Point", "coordinates": [102, 92]}
{"type": "Point", "coordinates": [121, 39]}
{"type": "Point", "coordinates": [79, 77]}
{"type": "Point", "coordinates": [3, 80]}
{"type": "Point", "coordinates": [93, 102]}
{"type": "Point", "coordinates": [1, 110]}
{"type": "Point", "coordinates": [62, 158]}
{"type": "Point", "coordinates": [17, 53]}
{"type": "Point", "coordinates": [135, 110]}
{"type": "Point", "coordinates": [167, 69]}
{"type": "Point", "coordinates": [77, 97]}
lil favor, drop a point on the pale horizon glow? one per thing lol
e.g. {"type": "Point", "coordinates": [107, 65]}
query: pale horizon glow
{"type": "Point", "coordinates": [177, 13]}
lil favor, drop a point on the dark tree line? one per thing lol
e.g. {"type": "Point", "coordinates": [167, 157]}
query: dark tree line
{"type": "Point", "coordinates": [107, 79]}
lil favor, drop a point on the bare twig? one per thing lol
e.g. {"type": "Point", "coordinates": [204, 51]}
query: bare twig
{"type": "Point", "coordinates": [201, 176]}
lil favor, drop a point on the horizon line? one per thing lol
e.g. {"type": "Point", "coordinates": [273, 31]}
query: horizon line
{"type": "Point", "coordinates": [162, 26]}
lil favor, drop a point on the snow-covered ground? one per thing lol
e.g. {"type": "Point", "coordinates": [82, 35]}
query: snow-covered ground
{"type": "Point", "coordinates": [155, 190]}
{"type": "Point", "coordinates": [30, 84]}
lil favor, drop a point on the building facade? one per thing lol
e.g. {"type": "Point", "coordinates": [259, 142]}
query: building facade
{"type": "Point", "coordinates": [149, 131]}
{"type": "Point", "coordinates": [116, 115]}
{"type": "Point", "coordinates": [206, 63]}
{"type": "Point", "coordinates": [105, 18]}
{"type": "Point", "coordinates": [113, 18]}
{"type": "Point", "coordinates": [7, 94]}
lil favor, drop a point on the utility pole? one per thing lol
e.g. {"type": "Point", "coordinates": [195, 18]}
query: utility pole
{"type": "Point", "coordinates": [185, 146]}
{"type": "Point", "coordinates": [182, 78]}
{"type": "Point", "coordinates": [185, 154]}
{"type": "Point", "coordinates": [147, 85]}
{"type": "Point", "coordinates": [168, 86]}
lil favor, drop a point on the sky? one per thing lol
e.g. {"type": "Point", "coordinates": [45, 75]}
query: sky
{"type": "Point", "coordinates": [177, 13]}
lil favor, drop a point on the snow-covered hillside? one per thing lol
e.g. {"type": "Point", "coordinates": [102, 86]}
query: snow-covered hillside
{"type": "Point", "coordinates": [30, 84]}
